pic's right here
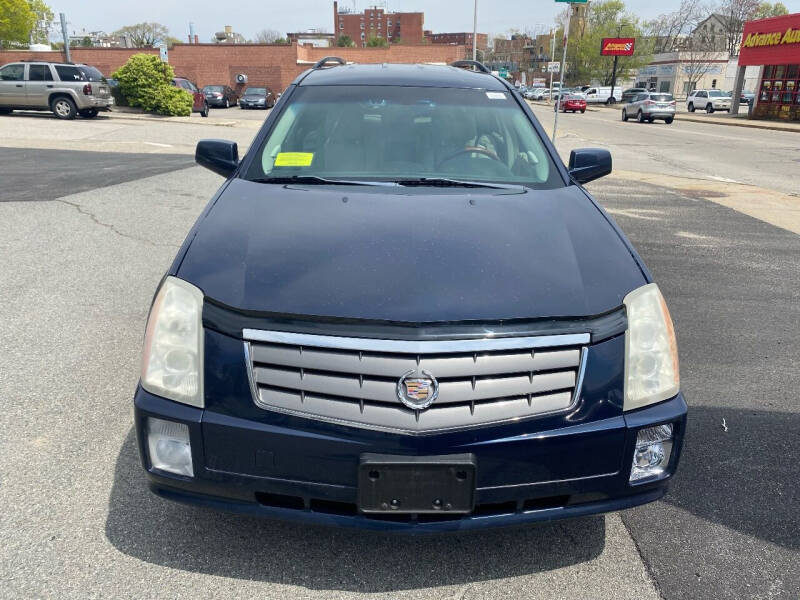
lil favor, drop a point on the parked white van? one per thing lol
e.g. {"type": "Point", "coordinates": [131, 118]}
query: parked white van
{"type": "Point", "coordinates": [598, 95]}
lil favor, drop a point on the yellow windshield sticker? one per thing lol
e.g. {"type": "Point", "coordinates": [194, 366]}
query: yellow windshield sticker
{"type": "Point", "coordinates": [294, 159]}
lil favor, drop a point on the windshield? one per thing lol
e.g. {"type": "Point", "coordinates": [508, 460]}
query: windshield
{"type": "Point", "coordinates": [213, 88]}
{"type": "Point", "coordinates": [256, 91]}
{"type": "Point", "coordinates": [401, 133]}
{"type": "Point", "coordinates": [661, 97]}
{"type": "Point", "coordinates": [716, 94]}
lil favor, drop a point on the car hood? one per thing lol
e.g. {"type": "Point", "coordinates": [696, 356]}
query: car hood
{"type": "Point", "coordinates": [409, 254]}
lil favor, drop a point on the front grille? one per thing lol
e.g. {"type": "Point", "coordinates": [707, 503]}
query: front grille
{"type": "Point", "coordinates": [353, 381]}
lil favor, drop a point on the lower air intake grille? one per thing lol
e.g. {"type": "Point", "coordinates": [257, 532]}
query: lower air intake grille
{"type": "Point", "coordinates": [355, 381]}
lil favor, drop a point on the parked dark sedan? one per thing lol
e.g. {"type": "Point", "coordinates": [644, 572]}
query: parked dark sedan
{"type": "Point", "coordinates": [199, 103]}
{"type": "Point", "coordinates": [257, 97]}
{"type": "Point", "coordinates": [220, 96]}
{"type": "Point", "coordinates": [402, 311]}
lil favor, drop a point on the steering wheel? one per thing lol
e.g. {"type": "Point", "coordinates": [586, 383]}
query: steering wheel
{"type": "Point", "coordinates": [469, 150]}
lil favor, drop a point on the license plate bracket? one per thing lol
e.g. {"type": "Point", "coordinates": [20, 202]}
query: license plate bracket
{"type": "Point", "coordinates": [396, 484]}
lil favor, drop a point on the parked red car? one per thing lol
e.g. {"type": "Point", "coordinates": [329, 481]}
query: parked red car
{"type": "Point", "coordinates": [573, 102]}
{"type": "Point", "coordinates": [199, 105]}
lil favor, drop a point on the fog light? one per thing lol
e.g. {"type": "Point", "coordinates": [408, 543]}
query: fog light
{"type": "Point", "coordinates": [169, 447]}
{"type": "Point", "coordinates": [652, 453]}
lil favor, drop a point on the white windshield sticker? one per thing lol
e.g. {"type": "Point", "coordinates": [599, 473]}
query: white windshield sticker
{"type": "Point", "coordinates": [496, 95]}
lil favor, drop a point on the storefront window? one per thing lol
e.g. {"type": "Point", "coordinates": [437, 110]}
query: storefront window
{"type": "Point", "coordinates": [780, 84]}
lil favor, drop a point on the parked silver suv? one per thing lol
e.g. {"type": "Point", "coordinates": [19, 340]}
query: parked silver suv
{"type": "Point", "coordinates": [66, 89]}
{"type": "Point", "coordinates": [649, 106]}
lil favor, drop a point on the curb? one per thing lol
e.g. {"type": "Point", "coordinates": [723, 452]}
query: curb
{"type": "Point", "coordinates": [134, 116]}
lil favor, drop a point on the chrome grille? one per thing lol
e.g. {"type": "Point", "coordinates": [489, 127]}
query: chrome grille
{"type": "Point", "coordinates": [353, 381]}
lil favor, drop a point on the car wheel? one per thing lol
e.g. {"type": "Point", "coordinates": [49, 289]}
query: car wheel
{"type": "Point", "coordinates": [583, 111]}
{"type": "Point", "coordinates": [89, 113]}
{"type": "Point", "coordinates": [669, 120]}
{"type": "Point", "coordinates": [204, 112]}
{"type": "Point", "coordinates": [227, 104]}
{"type": "Point", "coordinates": [640, 117]}
{"type": "Point", "coordinates": [6, 111]}
{"type": "Point", "coordinates": [691, 108]}
{"type": "Point", "coordinates": [63, 108]}
{"type": "Point", "coordinates": [624, 115]}
{"type": "Point", "coordinates": [710, 109]}
{"type": "Point", "coordinates": [651, 120]}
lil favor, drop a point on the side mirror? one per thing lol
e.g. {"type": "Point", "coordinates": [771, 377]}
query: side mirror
{"type": "Point", "coordinates": [220, 156]}
{"type": "Point", "coordinates": [588, 164]}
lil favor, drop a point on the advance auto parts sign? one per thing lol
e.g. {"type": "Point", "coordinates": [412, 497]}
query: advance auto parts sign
{"type": "Point", "coordinates": [774, 41]}
{"type": "Point", "coordinates": [754, 40]}
{"type": "Point", "coordinates": [617, 46]}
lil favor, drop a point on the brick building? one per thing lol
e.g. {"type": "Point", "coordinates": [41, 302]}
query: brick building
{"type": "Point", "coordinates": [461, 39]}
{"type": "Point", "coordinates": [376, 22]}
{"type": "Point", "coordinates": [273, 65]}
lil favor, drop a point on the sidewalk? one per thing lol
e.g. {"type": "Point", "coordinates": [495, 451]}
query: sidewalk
{"type": "Point", "coordinates": [136, 114]}
{"type": "Point", "coordinates": [739, 120]}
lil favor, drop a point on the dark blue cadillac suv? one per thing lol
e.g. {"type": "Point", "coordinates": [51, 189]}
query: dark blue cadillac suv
{"type": "Point", "coordinates": [401, 311]}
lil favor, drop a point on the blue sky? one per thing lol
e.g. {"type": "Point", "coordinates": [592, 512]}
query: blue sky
{"type": "Point", "coordinates": [249, 16]}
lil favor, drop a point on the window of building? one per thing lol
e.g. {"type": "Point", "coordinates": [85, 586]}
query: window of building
{"type": "Point", "coordinates": [713, 84]}
{"type": "Point", "coordinates": [780, 84]}
{"type": "Point", "coordinates": [341, 25]}
{"type": "Point", "coordinates": [663, 86]}
{"type": "Point", "coordinates": [363, 37]}
{"type": "Point", "coordinates": [389, 24]}
{"type": "Point", "coordinates": [362, 26]}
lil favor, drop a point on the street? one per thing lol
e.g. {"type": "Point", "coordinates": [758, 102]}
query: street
{"type": "Point", "coordinates": [93, 213]}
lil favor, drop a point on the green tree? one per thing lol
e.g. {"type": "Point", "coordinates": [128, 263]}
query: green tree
{"type": "Point", "coordinates": [766, 10]}
{"type": "Point", "coordinates": [345, 41]}
{"type": "Point", "coordinates": [143, 35]}
{"type": "Point", "coordinates": [16, 21]}
{"type": "Point", "coordinates": [146, 82]}
{"type": "Point", "coordinates": [40, 33]}
{"type": "Point", "coordinates": [377, 42]}
{"type": "Point", "coordinates": [605, 18]}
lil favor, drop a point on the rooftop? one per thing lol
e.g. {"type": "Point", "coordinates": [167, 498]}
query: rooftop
{"type": "Point", "coordinates": [403, 74]}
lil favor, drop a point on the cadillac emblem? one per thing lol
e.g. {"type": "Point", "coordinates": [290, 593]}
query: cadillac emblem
{"type": "Point", "coordinates": [417, 389]}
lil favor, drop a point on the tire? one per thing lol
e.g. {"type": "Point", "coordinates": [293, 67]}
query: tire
{"type": "Point", "coordinates": [640, 117]}
{"type": "Point", "coordinates": [651, 120]}
{"type": "Point", "coordinates": [89, 113]}
{"type": "Point", "coordinates": [227, 104]}
{"type": "Point", "coordinates": [611, 100]}
{"type": "Point", "coordinates": [624, 115]}
{"type": "Point", "coordinates": [669, 120]}
{"type": "Point", "coordinates": [204, 112]}
{"type": "Point", "coordinates": [6, 111]}
{"type": "Point", "coordinates": [583, 111]}
{"type": "Point", "coordinates": [691, 107]}
{"type": "Point", "coordinates": [63, 108]}
{"type": "Point", "coordinates": [709, 109]}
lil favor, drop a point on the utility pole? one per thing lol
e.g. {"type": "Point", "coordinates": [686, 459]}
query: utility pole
{"type": "Point", "coordinates": [552, 59]}
{"type": "Point", "coordinates": [475, 33]}
{"type": "Point", "coordinates": [66, 37]}
{"type": "Point", "coordinates": [563, 66]}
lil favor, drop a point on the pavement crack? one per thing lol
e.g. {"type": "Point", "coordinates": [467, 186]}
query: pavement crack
{"type": "Point", "coordinates": [111, 227]}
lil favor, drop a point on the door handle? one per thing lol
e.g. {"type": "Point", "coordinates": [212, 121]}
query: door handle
{"type": "Point", "coordinates": [49, 85]}
{"type": "Point", "coordinates": [19, 85]}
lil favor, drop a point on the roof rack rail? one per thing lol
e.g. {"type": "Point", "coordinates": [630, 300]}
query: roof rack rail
{"type": "Point", "coordinates": [478, 65]}
{"type": "Point", "coordinates": [322, 63]}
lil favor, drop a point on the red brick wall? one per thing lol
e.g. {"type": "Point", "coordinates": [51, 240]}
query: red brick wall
{"type": "Point", "coordinates": [275, 66]}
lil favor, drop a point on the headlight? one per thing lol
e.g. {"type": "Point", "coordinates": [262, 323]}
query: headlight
{"type": "Point", "coordinates": [651, 352]}
{"type": "Point", "coordinates": [172, 361]}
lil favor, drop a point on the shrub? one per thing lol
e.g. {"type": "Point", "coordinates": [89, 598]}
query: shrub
{"type": "Point", "coordinates": [146, 81]}
{"type": "Point", "coordinates": [171, 100]}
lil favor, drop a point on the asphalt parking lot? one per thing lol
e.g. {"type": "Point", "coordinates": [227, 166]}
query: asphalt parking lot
{"type": "Point", "coordinates": [92, 218]}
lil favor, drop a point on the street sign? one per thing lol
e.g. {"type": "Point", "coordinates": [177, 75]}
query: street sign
{"type": "Point", "coordinates": [553, 67]}
{"type": "Point", "coordinates": [162, 47]}
{"type": "Point", "coordinates": [503, 72]}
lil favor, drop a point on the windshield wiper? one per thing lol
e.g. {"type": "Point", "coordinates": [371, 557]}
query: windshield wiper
{"type": "Point", "coordinates": [445, 182]}
{"type": "Point", "coordinates": [313, 180]}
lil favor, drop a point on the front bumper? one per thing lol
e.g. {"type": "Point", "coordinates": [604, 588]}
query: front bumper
{"type": "Point", "coordinates": [289, 471]}
{"type": "Point", "coordinates": [216, 101]}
